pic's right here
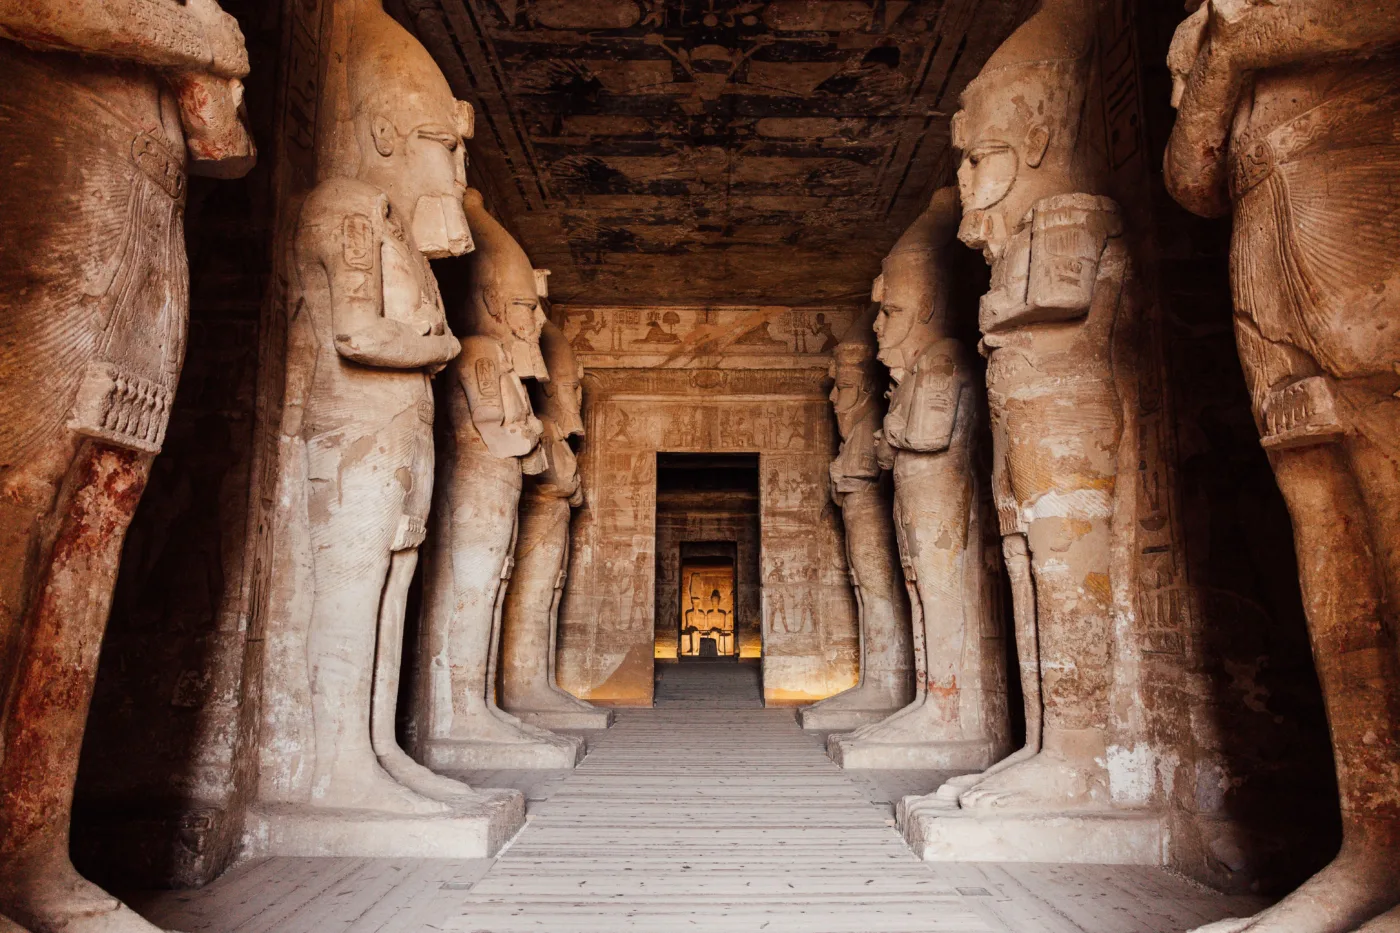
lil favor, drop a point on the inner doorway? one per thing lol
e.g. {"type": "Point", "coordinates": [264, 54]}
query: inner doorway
{"type": "Point", "coordinates": [705, 628]}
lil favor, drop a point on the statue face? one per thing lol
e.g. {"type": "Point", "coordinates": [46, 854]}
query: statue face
{"type": "Point", "coordinates": [526, 320]}
{"type": "Point", "coordinates": [848, 395]}
{"type": "Point", "coordinates": [435, 162]}
{"type": "Point", "coordinates": [898, 326]}
{"type": "Point", "coordinates": [986, 180]}
{"type": "Point", "coordinates": [568, 400]}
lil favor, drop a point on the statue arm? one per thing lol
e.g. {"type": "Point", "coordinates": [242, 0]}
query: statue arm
{"type": "Point", "coordinates": [479, 375]}
{"type": "Point", "coordinates": [192, 36]}
{"type": "Point", "coordinates": [1216, 51]}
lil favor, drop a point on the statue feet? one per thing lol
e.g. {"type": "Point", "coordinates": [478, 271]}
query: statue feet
{"type": "Point", "coordinates": [1360, 884]}
{"type": "Point", "coordinates": [951, 791]}
{"type": "Point", "coordinates": [374, 789]}
{"type": "Point", "coordinates": [49, 896]}
{"type": "Point", "coordinates": [902, 719]}
{"type": "Point", "coordinates": [428, 783]}
{"type": "Point", "coordinates": [1047, 782]}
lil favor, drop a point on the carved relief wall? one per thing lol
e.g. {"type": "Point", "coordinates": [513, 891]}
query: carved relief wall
{"type": "Point", "coordinates": [733, 380]}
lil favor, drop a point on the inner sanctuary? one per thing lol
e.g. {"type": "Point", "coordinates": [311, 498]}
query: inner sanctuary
{"type": "Point", "coordinates": [729, 466]}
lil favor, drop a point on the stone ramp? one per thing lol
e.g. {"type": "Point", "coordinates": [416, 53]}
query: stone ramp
{"type": "Point", "coordinates": [709, 684]}
{"type": "Point", "coordinates": [711, 820]}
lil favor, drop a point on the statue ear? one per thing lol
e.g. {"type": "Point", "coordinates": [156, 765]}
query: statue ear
{"type": "Point", "coordinates": [1037, 141]}
{"type": "Point", "coordinates": [383, 130]}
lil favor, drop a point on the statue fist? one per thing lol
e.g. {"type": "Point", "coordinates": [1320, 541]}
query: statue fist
{"type": "Point", "coordinates": [228, 53]}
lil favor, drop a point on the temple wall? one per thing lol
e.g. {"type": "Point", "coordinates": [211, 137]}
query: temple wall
{"type": "Point", "coordinates": [712, 380]}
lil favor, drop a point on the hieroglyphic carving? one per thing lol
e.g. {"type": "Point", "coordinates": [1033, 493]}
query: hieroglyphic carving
{"type": "Point", "coordinates": [96, 296]}
{"type": "Point", "coordinates": [1286, 117]}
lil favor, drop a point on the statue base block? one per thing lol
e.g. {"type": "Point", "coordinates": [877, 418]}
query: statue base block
{"type": "Point", "coordinates": [1131, 837]}
{"type": "Point", "coordinates": [566, 719]}
{"type": "Point", "coordinates": [928, 756]}
{"type": "Point", "coordinates": [476, 831]}
{"type": "Point", "coordinates": [816, 719]}
{"type": "Point", "coordinates": [466, 755]}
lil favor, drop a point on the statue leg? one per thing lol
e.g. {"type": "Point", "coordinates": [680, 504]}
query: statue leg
{"type": "Point", "coordinates": [1345, 505]}
{"type": "Point", "coordinates": [1386, 923]}
{"type": "Point", "coordinates": [55, 651]}
{"type": "Point", "coordinates": [355, 503]}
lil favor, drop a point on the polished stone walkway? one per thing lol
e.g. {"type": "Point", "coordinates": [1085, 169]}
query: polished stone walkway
{"type": "Point", "coordinates": [698, 818]}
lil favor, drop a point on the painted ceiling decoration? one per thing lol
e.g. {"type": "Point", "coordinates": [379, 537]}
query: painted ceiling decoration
{"type": "Point", "coordinates": [683, 151]}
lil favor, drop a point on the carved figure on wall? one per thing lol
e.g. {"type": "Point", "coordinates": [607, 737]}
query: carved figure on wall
{"type": "Point", "coordinates": [956, 719]}
{"type": "Point", "coordinates": [529, 627]}
{"type": "Point", "coordinates": [103, 110]}
{"type": "Point", "coordinates": [1056, 326]}
{"type": "Point", "coordinates": [493, 437]}
{"type": "Point", "coordinates": [1287, 115]}
{"type": "Point", "coordinates": [368, 329]}
{"type": "Point", "coordinates": [862, 491]}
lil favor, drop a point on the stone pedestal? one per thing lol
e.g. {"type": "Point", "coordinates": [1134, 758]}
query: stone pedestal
{"type": "Point", "coordinates": [1128, 837]}
{"type": "Point", "coordinates": [566, 718]}
{"type": "Point", "coordinates": [824, 719]}
{"type": "Point", "coordinates": [562, 752]}
{"type": "Point", "coordinates": [849, 752]}
{"type": "Point", "coordinates": [476, 831]}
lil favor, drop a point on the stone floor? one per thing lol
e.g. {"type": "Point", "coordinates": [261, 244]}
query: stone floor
{"type": "Point", "coordinates": [713, 816]}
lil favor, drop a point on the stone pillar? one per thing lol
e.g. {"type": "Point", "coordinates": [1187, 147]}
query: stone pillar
{"type": "Point", "coordinates": [1286, 116]}
{"type": "Point", "coordinates": [104, 112]}
{"type": "Point", "coordinates": [368, 329]}
{"type": "Point", "coordinates": [492, 437]}
{"type": "Point", "coordinates": [957, 719]}
{"type": "Point", "coordinates": [1057, 327]}
{"type": "Point", "coordinates": [863, 491]}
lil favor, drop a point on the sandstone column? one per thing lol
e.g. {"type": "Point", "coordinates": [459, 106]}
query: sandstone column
{"type": "Point", "coordinates": [530, 617]}
{"type": "Point", "coordinates": [368, 330]}
{"type": "Point", "coordinates": [861, 489]}
{"type": "Point", "coordinates": [957, 719]}
{"type": "Point", "coordinates": [104, 106]}
{"type": "Point", "coordinates": [493, 436]}
{"type": "Point", "coordinates": [1287, 116]}
{"type": "Point", "coordinates": [1057, 328]}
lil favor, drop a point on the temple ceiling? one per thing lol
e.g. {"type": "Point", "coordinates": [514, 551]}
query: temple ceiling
{"type": "Point", "coordinates": [711, 151]}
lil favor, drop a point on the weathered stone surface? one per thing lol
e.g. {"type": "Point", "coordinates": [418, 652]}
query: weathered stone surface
{"type": "Point", "coordinates": [863, 491]}
{"type": "Point", "coordinates": [492, 436]}
{"type": "Point", "coordinates": [957, 719]}
{"type": "Point", "coordinates": [368, 328]}
{"type": "Point", "coordinates": [1285, 117]}
{"type": "Point", "coordinates": [530, 616]}
{"type": "Point", "coordinates": [101, 115]}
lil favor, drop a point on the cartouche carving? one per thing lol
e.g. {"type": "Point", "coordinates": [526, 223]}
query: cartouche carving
{"type": "Point", "coordinates": [859, 486]}
{"type": "Point", "coordinates": [529, 625]}
{"type": "Point", "coordinates": [1287, 116]}
{"type": "Point", "coordinates": [105, 108]}
{"type": "Point", "coordinates": [493, 438]}
{"type": "Point", "coordinates": [956, 719]}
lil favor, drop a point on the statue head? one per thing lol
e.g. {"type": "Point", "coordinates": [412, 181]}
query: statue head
{"type": "Point", "coordinates": [912, 291]}
{"type": "Point", "coordinates": [714, 599]}
{"type": "Point", "coordinates": [855, 396]}
{"type": "Point", "coordinates": [505, 298]}
{"type": "Point", "coordinates": [408, 129]}
{"type": "Point", "coordinates": [1021, 126]}
{"type": "Point", "coordinates": [560, 399]}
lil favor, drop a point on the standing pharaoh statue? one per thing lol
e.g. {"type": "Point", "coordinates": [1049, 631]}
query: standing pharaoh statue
{"type": "Point", "coordinates": [1056, 326]}
{"type": "Point", "coordinates": [861, 489]}
{"type": "Point", "coordinates": [1287, 114]}
{"type": "Point", "coordinates": [493, 437]}
{"type": "Point", "coordinates": [104, 107]}
{"type": "Point", "coordinates": [957, 718]}
{"type": "Point", "coordinates": [367, 330]}
{"type": "Point", "coordinates": [529, 622]}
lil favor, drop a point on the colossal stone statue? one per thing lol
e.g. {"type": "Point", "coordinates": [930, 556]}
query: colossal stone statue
{"type": "Point", "coordinates": [493, 436]}
{"type": "Point", "coordinates": [1056, 326]}
{"type": "Point", "coordinates": [859, 487]}
{"type": "Point", "coordinates": [1287, 114]}
{"type": "Point", "coordinates": [368, 328]}
{"type": "Point", "coordinates": [531, 612]}
{"type": "Point", "coordinates": [958, 716]}
{"type": "Point", "coordinates": [103, 109]}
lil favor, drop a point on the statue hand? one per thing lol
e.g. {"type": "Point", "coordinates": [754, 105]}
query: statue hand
{"type": "Point", "coordinates": [229, 54]}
